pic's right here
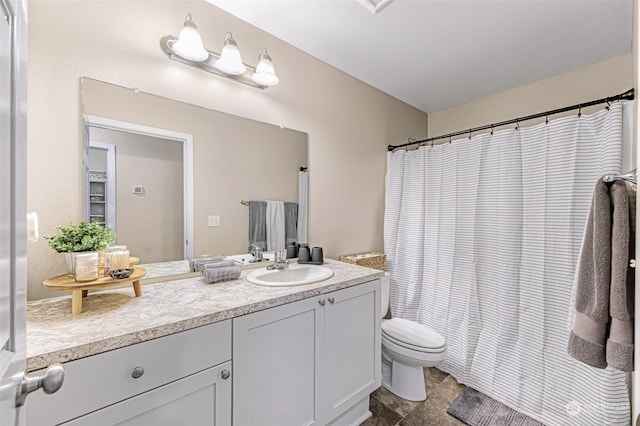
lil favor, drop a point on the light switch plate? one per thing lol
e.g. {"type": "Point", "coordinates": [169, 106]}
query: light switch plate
{"type": "Point", "coordinates": [214, 221]}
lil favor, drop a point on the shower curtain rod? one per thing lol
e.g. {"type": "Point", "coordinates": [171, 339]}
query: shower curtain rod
{"type": "Point", "coordinates": [628, 95]}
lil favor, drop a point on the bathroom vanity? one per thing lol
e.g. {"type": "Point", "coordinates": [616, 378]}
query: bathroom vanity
{"type": "Point", "coordinates": [217, 354]}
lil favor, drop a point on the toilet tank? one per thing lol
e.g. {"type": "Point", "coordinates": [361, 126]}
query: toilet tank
{"type": "Point", "coordinates": [384, 296]}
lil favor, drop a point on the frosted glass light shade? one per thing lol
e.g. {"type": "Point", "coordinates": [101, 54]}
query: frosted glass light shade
{"type": "Point", "coordinates": [189, 45]}
{"type": "Point", "coordinates": [230, 61]}
{"type": "Point", "coordinates": [265, 75]}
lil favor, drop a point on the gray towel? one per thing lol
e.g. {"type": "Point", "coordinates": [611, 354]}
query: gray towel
{"type": "Point", "coordinates": [197, 264]}
{"type": "Point", "coordinates": [290, 222]}
{"type": "Point", "coordinates": [221, 264]}
{"type": "Point", "coordinates": [602, 332]}
{"type": "Point", "coordinates": [257, 224]}
{"type": "Point", "coordinates": [225, 273]}
{"type": "Point", "coordinates": [621, 304]}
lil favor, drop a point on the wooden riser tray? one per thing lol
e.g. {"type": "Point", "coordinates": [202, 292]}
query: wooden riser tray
{"type": "Point", "coordinates": [80, 290]}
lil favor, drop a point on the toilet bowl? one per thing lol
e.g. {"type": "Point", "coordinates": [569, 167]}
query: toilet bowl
{"type": "Point", "coordinates": [407, 347]}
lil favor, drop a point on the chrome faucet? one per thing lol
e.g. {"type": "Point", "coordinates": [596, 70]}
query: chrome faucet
{"type": "Point", "coordinates": [257, 254]}
{"type": "Point", "coordinates": [281, 261]}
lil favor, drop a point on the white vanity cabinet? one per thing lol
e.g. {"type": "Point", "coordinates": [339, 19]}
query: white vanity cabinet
{"type": "Point", "coordinates": [311, 362]}
{"type": "Point", "coordinates": [164, 381]}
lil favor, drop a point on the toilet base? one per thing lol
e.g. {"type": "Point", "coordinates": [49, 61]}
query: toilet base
{"type": "Point", "coordinates": [403, 380]}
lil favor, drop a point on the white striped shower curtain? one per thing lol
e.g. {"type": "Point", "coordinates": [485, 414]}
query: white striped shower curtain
{"type": "Point", "coordinates": [482, 238]}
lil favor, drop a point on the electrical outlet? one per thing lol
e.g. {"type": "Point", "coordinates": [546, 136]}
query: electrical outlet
{"type": "Point", "coordinates": [213, 221]}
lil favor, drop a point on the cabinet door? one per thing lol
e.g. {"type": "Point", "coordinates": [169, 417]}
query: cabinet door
{"type": "Point", "coordinates": [203, 399]}
{"type": "Point", "coordinates": [352, 346]}
{"type": "Point", "coordinates": [277, 361]}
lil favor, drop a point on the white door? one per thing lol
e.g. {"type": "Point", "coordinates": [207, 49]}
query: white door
{"type": "Point", "coordinates": [13, 44]}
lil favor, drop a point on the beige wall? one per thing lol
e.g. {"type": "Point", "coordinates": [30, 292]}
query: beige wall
{"type": "Point", "coordinates": [596, 81]}
{"type": "Point", "coordinates": [349, 123]}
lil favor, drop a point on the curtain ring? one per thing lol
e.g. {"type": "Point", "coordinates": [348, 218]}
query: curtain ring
{"type": "Point", "coordinates": [579, 111]}
{"type": "Point", "coordinates": [449, 137]}
{"type": "Point", "coordinates": [608, 105]}
{"type": "Point", "coordinates": [517, 124]}
{"type": "Point", "coordinates": [491, 129]}
{"type": "Point", "coordinates": [469, 135]}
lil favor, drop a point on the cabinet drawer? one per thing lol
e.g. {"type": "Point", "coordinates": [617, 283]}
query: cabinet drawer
{"type": "Point", "coordinates": [202, 399]}
{"type": "Point", "coordinates": [97, 381]}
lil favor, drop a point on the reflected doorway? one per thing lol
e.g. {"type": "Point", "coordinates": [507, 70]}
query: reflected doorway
{"type": "Point", "coordinates": [143, 177]}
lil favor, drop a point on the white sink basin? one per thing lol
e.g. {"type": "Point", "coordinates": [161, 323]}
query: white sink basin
{"type": "Point", "coordinates": [295, 274]}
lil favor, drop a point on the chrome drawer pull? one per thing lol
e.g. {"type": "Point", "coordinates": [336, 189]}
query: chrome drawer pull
{"type": "Point", "coordinates": [137, 372]}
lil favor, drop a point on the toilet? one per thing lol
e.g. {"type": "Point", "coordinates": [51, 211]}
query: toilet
{"type": "Point", "coordinates": [407, 347]}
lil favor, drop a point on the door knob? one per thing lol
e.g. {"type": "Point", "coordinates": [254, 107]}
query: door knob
{"type": "Point", "coordinates": [332, 300]}
{"type": "Point", "coordinates": [321, 302]}
{"type": "Point", "coordinates": [50, 380]}
{"type": "Point", "coordinates": [225, 374]}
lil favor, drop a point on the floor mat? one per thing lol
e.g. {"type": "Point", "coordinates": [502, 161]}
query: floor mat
{"type": "Point", "coordinates": [477, 409]}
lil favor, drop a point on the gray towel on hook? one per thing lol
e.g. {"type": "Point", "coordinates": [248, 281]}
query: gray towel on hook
{"type": "Point", "coordinates": [258, 224]}
{"type": "Point", "coordinates": [621, 304]}
{"type": "Point", "coordinates": [290, 222]}
{"type": "Point", "coordinates": [602, 332]}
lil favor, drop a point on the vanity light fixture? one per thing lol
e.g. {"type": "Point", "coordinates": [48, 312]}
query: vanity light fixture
{"type": "Point", "coordinates": [188, 49]}
{"type": "Point", "coordinates": [189, 44]}
{"type": "Point", "coordinates": [265, 75]}
{"type": "Point", "coordinates": [230, 61]}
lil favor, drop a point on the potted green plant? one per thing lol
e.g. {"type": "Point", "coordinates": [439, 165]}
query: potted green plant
{"type": "Point", "coordinates": [79, 238]}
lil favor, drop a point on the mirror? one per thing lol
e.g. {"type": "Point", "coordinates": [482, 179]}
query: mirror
{"type": "Point", "coordinates": [217, 160]}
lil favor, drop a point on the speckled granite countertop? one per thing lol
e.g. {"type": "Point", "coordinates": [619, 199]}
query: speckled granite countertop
{"type": "Point", "coordinates": [116, 318]}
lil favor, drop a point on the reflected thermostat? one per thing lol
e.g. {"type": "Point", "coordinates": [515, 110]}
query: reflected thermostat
{"type": "Point", "coordinates": [138, 189]}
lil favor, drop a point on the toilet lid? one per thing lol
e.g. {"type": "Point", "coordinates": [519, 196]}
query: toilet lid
{"type": "Point", "coordinates": [412, 333]}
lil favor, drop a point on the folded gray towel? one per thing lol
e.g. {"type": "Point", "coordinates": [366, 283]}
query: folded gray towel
{"type": "Point", "coordinates": [225, 273]}
{"type": "Point", "coordinates": [621, 304]}
{"type": "Point", "coordinates": [197, 264]}
{"type": "Point", "coordinates": [602, 332]}
{"type": "Point", "coordinates": [222, 264]}
{"type": "Point", "coordinates": [258, 224]}
{"type": "Point", "coordinates": [290, 223]}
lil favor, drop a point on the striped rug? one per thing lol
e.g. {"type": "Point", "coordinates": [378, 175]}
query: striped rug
{"type": "Point", "coordinates": [477, 409]}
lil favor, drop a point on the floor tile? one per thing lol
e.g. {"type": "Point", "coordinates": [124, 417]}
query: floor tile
{"type": "Point", "coordinates": [394, 402]}
{"type": "Point", "coordinates": [381, 414]}
{"type": "Point", "coordinates": [433, 411]}
{"type": "Point", "coordinates": [390, 410]}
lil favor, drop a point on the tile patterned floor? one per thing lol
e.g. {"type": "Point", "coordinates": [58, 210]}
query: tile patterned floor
{"type": "Point", "coordinates": [391, 410]}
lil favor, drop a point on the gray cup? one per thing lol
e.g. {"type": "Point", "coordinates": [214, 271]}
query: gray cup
{"type": "Point", "coordinates": [316, 254]}
{"type": "Point", "coordinates": [304, 255]}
